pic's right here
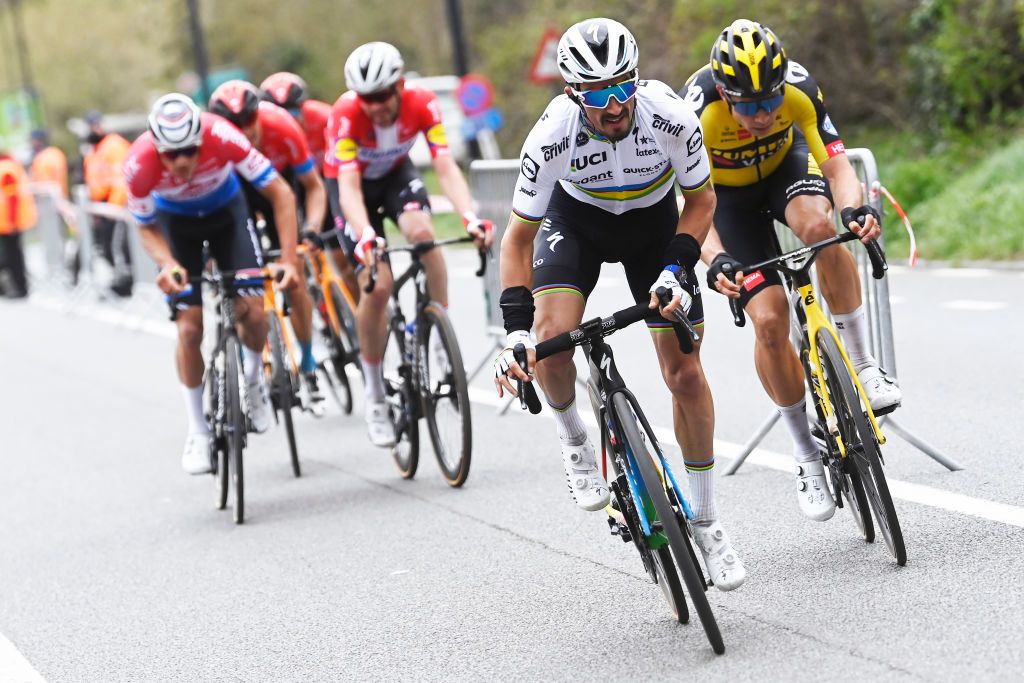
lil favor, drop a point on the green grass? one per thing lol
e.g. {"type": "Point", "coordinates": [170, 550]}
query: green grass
{"type": "Point", "coordinates": [963, 194]}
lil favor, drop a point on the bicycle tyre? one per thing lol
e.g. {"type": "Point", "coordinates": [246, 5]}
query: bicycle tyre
{"type": "Point", "coordinates": [219, 457]}
{"type": "Point", "coordinates": [344, 349]}
{"type": "Point", "coordinates": [282, 389]}
{"type": "Point", "coordinates": [677, 539]}
{"type": "Point", "coordinates": [401, 394]}
{"type": "Point", "coordinates": [235, 426]}
{"type": "Point", "coordinates": [861, 444]}
{"type": "Point", "coordinates": [454, 454]}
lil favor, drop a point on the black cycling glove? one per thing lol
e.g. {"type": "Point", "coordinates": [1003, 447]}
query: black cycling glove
{"type": "Point", "coordinates": [722, 264]}
{"type": "Point", "coordinates": [848, 215]}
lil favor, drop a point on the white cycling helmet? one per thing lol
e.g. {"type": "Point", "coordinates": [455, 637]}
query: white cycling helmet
{"type": "Point", "coordinates": [175, 123]}
{"type": "Point", "coordinates": [596, 50]}
{"type": "Point", "coordinates": [373, 67]}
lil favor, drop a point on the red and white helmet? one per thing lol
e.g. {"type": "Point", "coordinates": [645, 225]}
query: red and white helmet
{"type": "Point", "coordinates": [373, 67]}
{"type": "Point", "coordinates": [237, 101]}
{"type": "Point", "coordinates": [285, 89]}
{"type": "Point", "coordinates": [175, 122]}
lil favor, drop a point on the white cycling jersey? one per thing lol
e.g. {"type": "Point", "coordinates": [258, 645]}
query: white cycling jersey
{"type": "Point", "coordinates": [666, 144]}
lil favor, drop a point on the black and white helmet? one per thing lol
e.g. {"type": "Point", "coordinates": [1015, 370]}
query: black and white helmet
{"type": "Point", "coordinates": [175, 122]}
{"type": "Point", "coordinates": [373, 67]}
{"type": "Point", "coordinates": [596, 50]}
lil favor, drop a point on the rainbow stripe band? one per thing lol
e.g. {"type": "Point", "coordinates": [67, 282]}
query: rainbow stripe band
{"type": "Point", "coordinates": [527, 219]}
{"type": "Point", "coordinates": [628, 192]}
{"type": "Point", "coordinates": [666, 326]}
{"type": "Point", "coordinates": [699, 186]}
{"type": "Point", "coordinates": [702, 466]}
{"type": "Point", "coordinates": [552, 289]}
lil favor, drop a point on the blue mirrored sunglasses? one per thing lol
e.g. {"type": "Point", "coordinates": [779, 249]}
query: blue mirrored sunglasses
{"type": "Point", "coordinates": [598, 99]}
{"type": "Point", "coordinates": [769, 104]}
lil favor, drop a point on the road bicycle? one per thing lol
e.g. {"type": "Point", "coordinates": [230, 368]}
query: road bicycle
{"type": "Point", "coordinates": [846, 428]}
{"type": "Point", "coordinates": [424, 375]}
{"type": "Point", "coordinates": [225, 396]}
{"type": "Point", "coordinates": [648, 507]}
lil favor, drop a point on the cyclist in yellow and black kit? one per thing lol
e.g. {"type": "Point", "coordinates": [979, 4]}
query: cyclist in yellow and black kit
{"type": "Point", "coordinates": [777, 156]}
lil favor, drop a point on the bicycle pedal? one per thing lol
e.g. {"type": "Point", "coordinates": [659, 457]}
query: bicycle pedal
{"type": "Point", "coordinates": [885, 411]}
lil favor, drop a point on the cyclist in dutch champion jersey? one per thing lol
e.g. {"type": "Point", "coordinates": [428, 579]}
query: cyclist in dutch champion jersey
{"type": "Point", "coordinates": [777, 156]}
{"type": "Point", "coordinates": [596, 185]}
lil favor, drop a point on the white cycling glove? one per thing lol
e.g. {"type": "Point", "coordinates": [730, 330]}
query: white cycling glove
{"type": "Point", "coordinates": [505, 359]}
{"type": "Point", "coordinates": [669, 279]}
{"type": "Point", "coordinates": [367, 242]}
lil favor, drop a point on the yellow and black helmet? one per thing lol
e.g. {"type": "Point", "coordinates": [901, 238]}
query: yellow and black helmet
{"type": "Point", "coordinates": [748, 60]}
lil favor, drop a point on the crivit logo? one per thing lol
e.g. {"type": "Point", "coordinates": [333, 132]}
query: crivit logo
{"type": "Point", "coordinates": [552, 151]}
{"type": "Point", "coordinates": [591, 160]}
{"type": "Point", "coordinates": [664, 124]}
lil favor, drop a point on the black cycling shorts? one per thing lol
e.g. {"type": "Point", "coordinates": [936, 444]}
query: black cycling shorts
{"type": "Point", "coordinates": [260, 206]}
{"type": "Point", "coordinates": [389, 197]}
{"type": "Point", "coordinates": [232, 238]}
{"type": "Point", "coordinates": [575, 238]}
{"type": "Point", "coordinates": [745, 215]}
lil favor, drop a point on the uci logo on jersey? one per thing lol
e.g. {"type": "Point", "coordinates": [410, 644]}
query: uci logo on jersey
{"type": "Point", "coordinates": [592, 160]}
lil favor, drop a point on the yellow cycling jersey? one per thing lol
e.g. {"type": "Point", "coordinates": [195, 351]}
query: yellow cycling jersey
{"type": "Point", "coordinates": [740, 158]}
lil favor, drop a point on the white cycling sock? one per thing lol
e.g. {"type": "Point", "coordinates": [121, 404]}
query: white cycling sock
{"type": "Point", "coordinates": [571, 429]}
{"type": "Point", "coordinates": [252, 363]}
{"type": "Point", "coordinates": [853, 330]}
{"type": "Point", "coordinates": [194, 409]}
{"type": "Point", "coordinates": [805, 448]}
{"type": "Point", "coordinates": [701, 478]}
{"type": "Point", "coordinates": [373, 373]}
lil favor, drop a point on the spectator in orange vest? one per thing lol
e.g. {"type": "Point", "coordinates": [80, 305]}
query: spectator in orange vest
{"type": "Point", "coordinates": [17, 214]}
{"type": "Point", "coordinates": [50, 170]}
{"type": "Point", "coordinates": [106, 183]}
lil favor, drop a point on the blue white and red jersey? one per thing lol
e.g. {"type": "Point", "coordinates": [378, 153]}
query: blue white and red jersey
{"type": "Point", "coordinates": [224, 151]}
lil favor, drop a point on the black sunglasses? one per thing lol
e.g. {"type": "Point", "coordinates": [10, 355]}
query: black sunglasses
{"type": "Point", "coordinates": [379, 96]}
{"type": "Point", "coordinates": [173, 154]}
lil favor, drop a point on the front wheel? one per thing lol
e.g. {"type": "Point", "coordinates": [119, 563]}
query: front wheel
{"type": "Point", "coordinates": [235, 428]}
{"type": "Point", "coordinates": [629, 431]}
{"type": "Point", "coordinates": [218, 445]}
{"type": "Point", "coordinates": [861, 444]}
{"type": "Point", "coordinates": [282, 389]}
{"type": "Point", "coordinates": [445, 395]}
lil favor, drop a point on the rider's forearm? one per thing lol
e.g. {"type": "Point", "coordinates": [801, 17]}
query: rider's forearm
{"type": "Point", "coordinates": [453, 184]}
{"type": "Point", "coordinates": [316, 200]}
{"type": "Point", "coordinates": [155, 244]}
{"type": "Point", "coordinates": [517, 254]}
{"type": "Point", "coordinates": [712, 246]}
{"type": "Point", "coordinates": [283, 200]}
{"type": "Point", "coordinates": [350, 194]}
{"type": "Point", "coordinates": [698, 212]}
{"type": "Point", "coordinates": [843, 182]}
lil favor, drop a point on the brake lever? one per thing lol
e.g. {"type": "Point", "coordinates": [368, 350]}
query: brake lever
{"type": "Point", "coordinates": [685, 334]}
{"type": "Point", "coordinates": [528, 399]}
{"type": "Point", "coordinates": [739, 319]}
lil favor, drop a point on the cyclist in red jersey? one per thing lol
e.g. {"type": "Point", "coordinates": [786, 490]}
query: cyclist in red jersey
{"type": "Point", "coordinates": [275, 133]}
{"type": "Point", "coordinates": [289, 91]}
{"type": "Point", "coordinates": [182, 191]}
{"type": "Point", "coordinates": [372, 128]}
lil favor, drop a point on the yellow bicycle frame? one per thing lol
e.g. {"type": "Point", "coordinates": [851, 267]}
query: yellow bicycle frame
{"type": "Point", "coordinates": [324, 275]}
{"type": "Point", "coordinates": [817, 321]}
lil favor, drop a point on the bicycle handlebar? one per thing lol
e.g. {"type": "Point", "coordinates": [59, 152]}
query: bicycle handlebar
{"type": "Point", "coordinates": [417, 249]}
{"type": "Point", "coordinates": [222, 279]}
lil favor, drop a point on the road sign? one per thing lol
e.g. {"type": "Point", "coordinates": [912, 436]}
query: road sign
{"type": "Point", "coordinates": [544, 67]}
{"type": "Point", "coordinates": [475, 94]}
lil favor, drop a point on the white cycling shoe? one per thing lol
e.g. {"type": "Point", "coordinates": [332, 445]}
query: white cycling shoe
{"type": "Point", "coordinates": [723, 563]}
{"type": "Point", "coordinates": [882, 391]}
{"type": "Point", "coordinates": [379, 425]}
{"type": "Point", "coordinates": [812, 491]}
{"type": "Point", "coordinates": [195, 459]}
{"type": "Point", "coordinates": [588, 487]}
{"type": "Point", "coordinates": [311, 396]}
{"type": "Point", "coordinates": [261, 413]}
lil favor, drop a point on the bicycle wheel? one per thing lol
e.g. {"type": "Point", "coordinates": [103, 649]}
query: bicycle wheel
{"type": "Point", "coordinates": [282, 390]}
{"type": "Point", "coordinates": [403, 401]}
{"type": "Point", "coordinates": [861, 444]}
{"type": "Point", "coordinates": [445, 395]}
{"type": "Point", "coordinates": [235, 423]}
{"type": "Point", "coordinates": [218, 446]}
{"type": "Point", "coordinates": [344, 349]}
{"type": "Point", "coordinates": [629, 432]}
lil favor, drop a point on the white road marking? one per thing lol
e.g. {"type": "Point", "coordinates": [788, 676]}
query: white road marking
{"type": "Point", "coordinates": [13, 665]}
{"type": "Point", "coordinates": [902, 490]}
{"type": "Point", "coordinates": [969, 305]}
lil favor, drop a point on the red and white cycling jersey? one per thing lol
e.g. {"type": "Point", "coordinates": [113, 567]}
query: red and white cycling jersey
{"type": "Point", "coordinates": [282, 140]}
{"type": "Point", "coordinates": [314, 123]}
{"type": "Point", "coordinates": [354, 143]}
{"type": "Point", "coordinates": [223, 151]}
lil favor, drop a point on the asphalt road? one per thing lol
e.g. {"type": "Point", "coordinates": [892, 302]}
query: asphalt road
{"type": "Point", "coordinates": [115, 565]}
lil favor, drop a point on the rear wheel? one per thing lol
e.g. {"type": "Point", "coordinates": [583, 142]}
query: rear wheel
{"type": "Point", "coordinates": [445, 395]}
{"type": "Point", "coordinates": [235, 424]}
{"type": "Point", "coordinates": [861, 444]}
{"type": "Point", "coordinates": [403, 403]}
{"type": "Point", "coordinates": [218, 445]}
{"type": "Point", "coordinates": [282, 390]}
{"type": "Point", "coordinates": [344, 345]}
{"type": "Point", "coordinates": [629, 431]}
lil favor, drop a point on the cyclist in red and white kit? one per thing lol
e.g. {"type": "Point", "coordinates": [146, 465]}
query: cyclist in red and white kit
{"type": "Point", "coordinates": [182, 191]}
{"type": "Point", "coordinates": [275, 133]}
{"type": "Point", "coordinates": [371, 130]}
{"type": "Point", "coordinates": [290, 91]}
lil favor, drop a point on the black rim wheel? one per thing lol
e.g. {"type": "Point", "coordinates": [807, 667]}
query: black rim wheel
{"type": "Point", "coordinates": [445, 396]}
{"type": "Point", "coordinates": [235, 426]}
{"type": "Point", "coordinates": [403, 402]}
{"type": "Point", "coordinates": [283, 389]}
